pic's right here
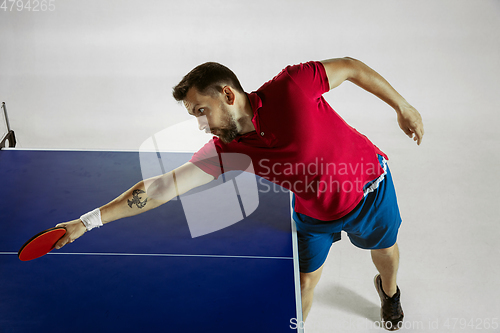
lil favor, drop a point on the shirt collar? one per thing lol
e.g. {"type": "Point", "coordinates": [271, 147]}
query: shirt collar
{"type": "Point", "coordinates": [256, 104]}
{"type": "Point", "coordinates": [261, 133]}
{"type": "Point", "coordinates": [255, 101]}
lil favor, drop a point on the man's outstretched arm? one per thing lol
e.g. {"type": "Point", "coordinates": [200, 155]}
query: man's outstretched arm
{"type": "Point", "coordinates": [342, 69]}
{"type": "Point", "coordinates": [143, 196]}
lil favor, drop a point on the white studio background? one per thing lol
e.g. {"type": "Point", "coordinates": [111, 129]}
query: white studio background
{"type": "Point", "coordinates": [99, 74]}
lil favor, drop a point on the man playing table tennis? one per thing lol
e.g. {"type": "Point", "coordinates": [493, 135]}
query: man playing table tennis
{"type": "Point", "coordinates": [340, 180]}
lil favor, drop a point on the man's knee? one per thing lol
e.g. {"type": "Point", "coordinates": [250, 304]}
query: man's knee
{"type": "Point", "coordinates": [387, 251]}
{"type": "Point", "coordinates": [309, 280]}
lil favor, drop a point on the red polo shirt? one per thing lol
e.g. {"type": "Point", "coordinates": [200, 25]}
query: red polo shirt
{"type": "Point", "coordinates": [302, 144]}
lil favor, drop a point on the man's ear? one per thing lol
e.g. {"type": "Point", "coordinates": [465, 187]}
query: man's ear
{"type": "Point", "coordinates": [228, 93]}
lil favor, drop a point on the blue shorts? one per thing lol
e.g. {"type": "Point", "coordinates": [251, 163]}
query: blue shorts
{"type": "Point", "coordinates": [373, 224]}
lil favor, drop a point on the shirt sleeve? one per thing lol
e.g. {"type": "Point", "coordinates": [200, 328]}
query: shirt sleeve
{"type": "Point", "coordinates": [208, 159]}
{"type": "Point", "coordinates": [310, 77]}
{"type": "Point", "coordinates": [215, 159]}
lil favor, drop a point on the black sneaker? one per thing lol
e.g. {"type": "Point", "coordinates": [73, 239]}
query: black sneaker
{"type": "Point", "coordinates": [391, 312]}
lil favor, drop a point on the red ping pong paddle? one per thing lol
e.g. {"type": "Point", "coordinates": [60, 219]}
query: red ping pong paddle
{"type": "Point", "coordinates": [41, 244]}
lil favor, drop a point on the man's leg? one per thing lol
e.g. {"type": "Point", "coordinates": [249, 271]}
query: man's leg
{"type": "Point", "coordinates": [387, 262]}
{"type": "Point", "coordinates": [308, 282]}
{"type": "Point", "coordinates": [391, 312]}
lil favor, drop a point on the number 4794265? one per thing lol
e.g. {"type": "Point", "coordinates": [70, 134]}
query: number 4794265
{"type": "Point", "coordinates": [474, 323]}
{"type": "Point", "coordinates": [28, 5]}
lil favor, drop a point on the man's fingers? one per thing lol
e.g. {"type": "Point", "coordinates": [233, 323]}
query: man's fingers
{"type": "Point", "coordinates": [419, 136]}
{"type": "Point", "coordinates": [408, 131]}
{"type": "Point", "coordinates": [60, 244]}
{"type": "Point", "coordinates": [414, 131]}
{"type": "Point", "coordinates": [63, 241]}
{"type": "Point", "coordinates": [73, 231]}
{"type": "Point", "coordinates": [419, 133]}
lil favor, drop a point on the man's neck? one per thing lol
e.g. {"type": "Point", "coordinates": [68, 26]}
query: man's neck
{"type": "Point", "coordinates": [245, 118]}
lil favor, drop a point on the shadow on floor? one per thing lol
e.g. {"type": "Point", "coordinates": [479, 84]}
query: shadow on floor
{"type": "Point", "coordinates": [347, 300]}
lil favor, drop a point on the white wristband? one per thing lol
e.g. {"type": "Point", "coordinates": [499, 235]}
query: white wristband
{"type": "Point", "coordinates": [92, 219]}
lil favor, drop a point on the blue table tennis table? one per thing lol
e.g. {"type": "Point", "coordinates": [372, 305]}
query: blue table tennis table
{"type": "Point", "coordinates": [143, 273]}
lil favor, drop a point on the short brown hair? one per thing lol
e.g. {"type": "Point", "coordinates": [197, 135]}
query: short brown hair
{"type": "Point", "coordinates": [208, 79]}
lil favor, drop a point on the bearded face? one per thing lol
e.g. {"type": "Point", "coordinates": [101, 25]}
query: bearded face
{"type": "Point", "coordinates": [229, 130]}
{"type": "Point", "coordinates": [213, 114]}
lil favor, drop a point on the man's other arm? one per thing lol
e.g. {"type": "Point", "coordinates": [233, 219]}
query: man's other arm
{"type": "Point", "coordinates": [341, 69]}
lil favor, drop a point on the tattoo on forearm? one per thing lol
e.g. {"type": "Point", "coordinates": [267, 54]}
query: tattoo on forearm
{"type": "Point", "coordinates": [136, 199]}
